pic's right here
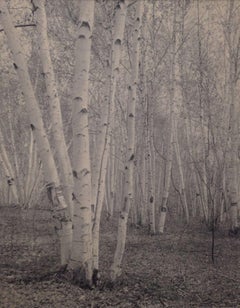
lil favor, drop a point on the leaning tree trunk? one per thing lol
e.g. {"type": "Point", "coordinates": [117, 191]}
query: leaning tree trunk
{"type": "Point", "coordinates": [130, 157]}
{"type": "Point", "coordinates": [120, 16]}
{"type": "Point", "coordinates": [81, 256]}
{"type": "Point", "coordinates": [36, 123]}
{"type": "Point", "coordinates": [54, 104]}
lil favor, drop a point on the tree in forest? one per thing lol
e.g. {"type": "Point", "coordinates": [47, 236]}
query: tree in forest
{"type": "Point", "coordinates": [149, 127]}
{"type": "Point", "coordinates": [36, 123]}
{"type": "Point", "coordinates": [54, 103]}
{"type": "Point", "coordinates": [81, 254]}
{"type": "Point", "coordinates": [109, 116]}
{"type": "Point", "coordinates": [131, 147]}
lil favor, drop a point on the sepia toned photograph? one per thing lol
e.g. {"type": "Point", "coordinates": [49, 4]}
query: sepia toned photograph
{"type": "Point", "coordinates": [119, 153]}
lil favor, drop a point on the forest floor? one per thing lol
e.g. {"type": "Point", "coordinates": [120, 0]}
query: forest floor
{"type": "Point", "coordinates": [174, 269]}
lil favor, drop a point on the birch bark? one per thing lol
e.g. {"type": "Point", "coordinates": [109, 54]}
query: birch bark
{"type": "Point", "coordinates": [120, 16]}
{"type": "Point", "coordinates": [54, 104]}
{"type": "Point", "coordinates": [129, 164]}
{"type": "Point", "coordinates": [37, 126]}
{"type": "Point", "coordinates": [81, 257]}
{"type": "Point", "coordinates": [8, 170]}
{"type": "Point", "coordinates": [169, 157]}
{"type": "Point", "coordinates": [233, 131]}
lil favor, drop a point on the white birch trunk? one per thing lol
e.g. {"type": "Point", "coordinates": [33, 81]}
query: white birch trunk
{"type": "Point", "coordinates": [120, 16]}
{"type": "Point", "coordinates": [36, 123]}
{"type": "Point", "coordinates": [9, 173]}
{"type": "Point", "coordinates": [169, 157]}
{"type": "Point", "coordinates": [54, 104]}
{"type": "Point", "coordinates": [233, 141]}
{"type": "Point", "coordinates": [129, 164]}
{"type": "Point", "coordinates": [81, 257]}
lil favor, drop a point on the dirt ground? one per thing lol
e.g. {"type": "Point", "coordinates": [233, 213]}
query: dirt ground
{"type": "Point", "coordinates": [170, 270]}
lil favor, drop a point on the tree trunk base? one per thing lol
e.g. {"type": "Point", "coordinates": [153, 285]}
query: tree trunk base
{"type": "Point", "coordinates": [78, 276]}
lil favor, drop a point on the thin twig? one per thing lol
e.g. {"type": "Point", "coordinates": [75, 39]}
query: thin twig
{"type": "Point", "coordinates": [21, 26]}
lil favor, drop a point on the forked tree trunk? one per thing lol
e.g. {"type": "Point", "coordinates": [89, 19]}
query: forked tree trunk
{"type": "Point", "coordinates": [54, 104]}
{"type": "Point", "coordinates": [120, 16]}
{"type": "Point", "coordinates": [81, 257]}
{"type": "Point", "coordinates": [49, 168]}
{"type": "Point", "coordinates": [129, 164]}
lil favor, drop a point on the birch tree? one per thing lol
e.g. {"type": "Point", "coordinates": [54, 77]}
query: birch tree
{"type": "Point", "coordinates": [9, 173]}
{"type": "Point", "coordinates": [169, 156]}
{"type": "Point", "coordinates": [119, 26]}
{"type": "Point", "coordinates": [81, 256]}
{"type": "Point", "coordinates": [131, 149]}
{"type": "Point", "coordinates": [36, 123]}
{"type": "Point", "coordinates": [54, 103]}
{"type": "Point", "coordinates": [233, 141]}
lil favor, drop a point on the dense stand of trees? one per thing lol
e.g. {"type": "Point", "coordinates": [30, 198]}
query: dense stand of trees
{"type": "Point", "coordinates": [121, 106]}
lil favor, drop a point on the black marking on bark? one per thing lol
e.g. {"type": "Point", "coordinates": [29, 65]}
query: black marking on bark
{"type": "Point", "coordinates": [131, 115]}
{"type": "Point", "coordinates": [77, 98]}
{"type": "Point", "coordinates": [118, 42]}
{"type": "Point", "coordinates": [85, 171]}
{"type": "Point", "coordinates": [151, 199]}
{"type": "Point", "coordinates": [73, 196]}
{"type": "Point", "coordinates": [51, 193]}
{"type": "Point", "coordinates": [34, 7]}
{"type": "Point", "coordinates": [10, 181]}
{"type": "Point", "coordinates": [163, 209]}
{"type": "Point", "coordinates": [132, 157]}
{"type": "Point", "coordinates": [15, 66]}
{"type": "Point", "coordinates": [32, 127]}
{"type": "Point", "coordinates": [129, 88]}
{"type": "Point", "coordinates": [85, 24]}
{"type": "Point", "coordinates": [83, 110]}
{"type": "Point", "coordinates": [75, 175]}
{"type": "Point", "coordinates": [81, 36]}
{"type": "Point", "coordinates": [124, 207]}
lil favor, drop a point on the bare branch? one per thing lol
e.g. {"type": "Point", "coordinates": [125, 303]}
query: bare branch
{"type": "Point", "coordinates": [21, 26]}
